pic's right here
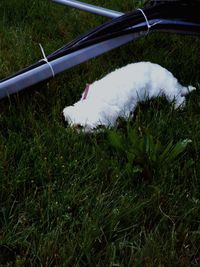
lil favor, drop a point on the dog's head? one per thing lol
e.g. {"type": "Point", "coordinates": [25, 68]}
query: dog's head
{"type": "Point", "coordinates": [86, 117]}
{"type": "Point", "coordinates": [76, 117]}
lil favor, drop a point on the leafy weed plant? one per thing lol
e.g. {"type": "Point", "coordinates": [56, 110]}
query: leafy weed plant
{"type": "Point", "coordinates": [140, 153]}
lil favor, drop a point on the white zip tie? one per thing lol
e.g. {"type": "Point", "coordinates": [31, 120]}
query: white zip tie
{"type": "Point", "coordinates": [147, 22]}
{"type": "Point", "coordinates": [46, 60]}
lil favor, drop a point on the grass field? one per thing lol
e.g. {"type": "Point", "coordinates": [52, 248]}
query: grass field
{"type": "Point", "coordinates": [123, 198]}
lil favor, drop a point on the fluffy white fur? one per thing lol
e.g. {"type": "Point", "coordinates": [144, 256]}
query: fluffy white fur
{"type": "Point", "coordinates": [118, 93]}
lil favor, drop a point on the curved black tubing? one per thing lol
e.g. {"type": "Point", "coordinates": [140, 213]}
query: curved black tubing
{"type": "Point", "coordinates": [167, 16]}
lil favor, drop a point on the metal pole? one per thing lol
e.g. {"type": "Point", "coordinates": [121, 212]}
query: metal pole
{"type": "Point", "coordinates": [44, 71]}
{"type": "Point", "coordinates": [90, 8]}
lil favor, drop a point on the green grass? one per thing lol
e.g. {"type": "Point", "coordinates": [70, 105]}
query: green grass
{"type": "Point", "coordinates": [125, 197]}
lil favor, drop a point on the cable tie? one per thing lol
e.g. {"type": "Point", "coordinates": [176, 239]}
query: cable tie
{"type": "Point", "coordinates": [147, 22]}
{"type": "Point", "coordinates": [45, 59]}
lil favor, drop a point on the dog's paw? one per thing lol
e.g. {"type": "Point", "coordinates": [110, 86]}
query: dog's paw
{"type": "Point", "coordinates": [180, 102]}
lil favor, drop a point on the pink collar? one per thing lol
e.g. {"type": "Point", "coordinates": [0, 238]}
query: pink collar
{"type": "Point", "coordinates": [85, 93]}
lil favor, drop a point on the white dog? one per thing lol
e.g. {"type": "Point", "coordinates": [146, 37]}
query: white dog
{"type": "Point", "coordinates": [118, 93]}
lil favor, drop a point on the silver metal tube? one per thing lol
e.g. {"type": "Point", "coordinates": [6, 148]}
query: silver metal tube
{"type": "Point", "coordinates": [90, 8]}
{"type": "Point", "coordinates": [44, 72]}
